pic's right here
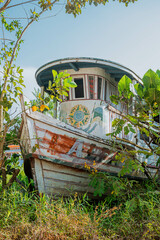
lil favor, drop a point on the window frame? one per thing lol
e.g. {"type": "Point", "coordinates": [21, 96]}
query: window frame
{"type": "Point", "coordinates": [101, 92]}
{"type": "Point", "coordinates": [105, 90]}
{"type": "Point", "coordinates": [84, 87]}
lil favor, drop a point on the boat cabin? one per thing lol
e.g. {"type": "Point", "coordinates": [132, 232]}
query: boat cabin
{"type": "Point", "coordinates": [86, 106]}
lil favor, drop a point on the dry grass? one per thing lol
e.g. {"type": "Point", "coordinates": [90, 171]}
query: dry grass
{"type": "Point", "coordinates": [25, 217]}
{"type": "Point", "coordinates": [42, 218]}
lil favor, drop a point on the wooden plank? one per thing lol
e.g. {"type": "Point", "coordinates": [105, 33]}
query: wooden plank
{"type": "Point", "coordinates": [69, 186]}
{"type": "Point", "coordinates": [64, 169]}
{"type": "Point", "coordinates": [39, 176]}
{"type": "Point", "coordinates": [65, 177]}
{"type": "Point", "coordinates": [25, 125]}
{"type": "Point", "coordinates": [74, 174]}
{"type": "Point", "coordinates": [67, 183]}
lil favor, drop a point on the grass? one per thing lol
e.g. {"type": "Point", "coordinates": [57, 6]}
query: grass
{"type": "Point", "coordinates": [131, 215]}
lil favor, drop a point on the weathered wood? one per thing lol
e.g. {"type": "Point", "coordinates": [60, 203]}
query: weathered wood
{"type": "Point", "coordinates": [60, 180]}
{"type": "Point", "coordinates": [25, 138]}
{"type": "Point", "coordinates": [65, 177]}
{"type": "Point", "coordinates": [68, 185]}
{"type": "Point", "coordinates": [62, 169]}
{"type": "Point", "coordinates": [39, 175]}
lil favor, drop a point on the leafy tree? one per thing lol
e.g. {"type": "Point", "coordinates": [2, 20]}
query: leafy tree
{"type": "Point", "coordinates": [141, 122]}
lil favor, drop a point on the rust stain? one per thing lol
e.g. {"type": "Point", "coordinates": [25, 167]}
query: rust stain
{"type": "Point", "coordinates": [56, 144]}
{"type": "Point", "coordinates": [61, 149]}
{"type": "Point", "coordinates": [65, 141]}
{"type": "Point", "coordinates": [92, 146]}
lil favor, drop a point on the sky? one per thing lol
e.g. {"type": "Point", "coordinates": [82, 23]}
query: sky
{"type": "Point", "coordinates": [127, 35]}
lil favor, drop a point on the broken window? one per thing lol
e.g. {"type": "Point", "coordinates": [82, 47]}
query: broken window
{"type": "Point", "coordinates": [79, 90]}
{"type": "Point", "coordinates": [105, 91]}
{"type": "Point", "coordinates": [99, 87]}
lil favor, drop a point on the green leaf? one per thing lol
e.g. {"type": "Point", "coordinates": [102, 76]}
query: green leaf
{"type": "Point", "coordinates": [64, 93]}
{"type": "Point", "coordinates": [49, 84]}
{"type": "Point", "coordinates": [132, 130]}
{"type": "Point", "coordinates": [139, 89]}
{"type": "Point", "coordinates": [33, 149]}
{"type": "Point", "coordinates": [71, 84]}
{"type": "Point", "coordinates": [126, 130]}
{"type": "Point", "coordinates": [61, 75]}
{"type": "Point", "coordinates": [114, 99]}
{"type": "Point", "coordinates": [54, 73]}
{"type": "Point", "coordinates": [144, 130]}
{"type": "Point", "coordinates": [150, 79]}
{"type": "Point", "coordinates": [115, 122]}
{"type": "Point", "coordinates": [158, 73]}
{"type": "Point", "coordinates": [47, 99]}
{"type": "Point", "coordinates": [124, 87]}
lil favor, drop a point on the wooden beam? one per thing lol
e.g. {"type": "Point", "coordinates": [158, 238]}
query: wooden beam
{"type": "Point", "coordinates": [73, 65]}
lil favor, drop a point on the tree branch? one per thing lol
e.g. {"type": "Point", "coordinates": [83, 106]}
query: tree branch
{"type": "Point", "coordinates": [16, 45]}
{"type": "Point", "coordinates": [131, 143]}
{"type": "Point", "coordinates": [18, 4]}
{"type": "Point", "coordinates": [13, 178]}
{"type": "Point", "coordinates": [5, 6]}
{"type": "Point", "coordinates": [141, 125]}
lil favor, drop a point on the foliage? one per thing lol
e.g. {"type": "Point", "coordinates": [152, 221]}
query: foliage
{"type": "Point", "coordinates": [56, 89]}
{"type": "Point", "coordinates": [45, 105]}
{"type": "Point", "coordinates": [62, 82]}
{"type": "Point", "coordinates": [131, 212]}
{"type": "Point", "coordinates": [75, 7]}
{"type": "Point", "coordinates": [142, 102]}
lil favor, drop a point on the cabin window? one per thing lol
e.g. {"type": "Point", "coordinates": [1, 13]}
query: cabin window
{"type": "Point", "coordinates": [91, 87]}
{"type": "Point", "coordinates": [105, 91]}
{"type": "Point", "coordinates": [99, 87]}
{"type": "Point", "coordinates": [79, 90]}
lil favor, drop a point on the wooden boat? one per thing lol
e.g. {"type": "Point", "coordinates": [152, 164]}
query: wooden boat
{"type": "Point", "coordinates": [58, 152]}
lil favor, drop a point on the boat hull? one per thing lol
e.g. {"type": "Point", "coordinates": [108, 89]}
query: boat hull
{"type": "Point", "coordinates": [61, 158]}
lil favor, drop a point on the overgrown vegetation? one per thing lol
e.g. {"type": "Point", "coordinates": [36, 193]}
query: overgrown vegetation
{"type": "Point", "coordinates": [130, 213]}
{"type": "Point", "coordinates": [136, 129]}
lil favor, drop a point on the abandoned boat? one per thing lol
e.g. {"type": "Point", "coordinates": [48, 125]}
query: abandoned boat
{"type": "Point", "coordinates": [76, 139]}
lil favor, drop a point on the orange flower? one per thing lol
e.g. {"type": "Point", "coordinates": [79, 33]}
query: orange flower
{"type": "Point", "coordinates": [34, 108]}
{"type": "Point", "coordinates": [122, 160]}
{"type": "Point", "coordinates": [42, 107]}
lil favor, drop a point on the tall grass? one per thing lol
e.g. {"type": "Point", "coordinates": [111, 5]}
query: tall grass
{"type": "Point", "coordinates": [27, 216]}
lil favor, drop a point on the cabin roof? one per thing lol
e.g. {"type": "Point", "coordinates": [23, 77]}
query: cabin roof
{"type": "Point", "coordinates": [116, 70]}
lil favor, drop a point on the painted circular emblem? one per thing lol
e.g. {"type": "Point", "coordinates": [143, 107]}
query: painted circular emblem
{"type": "Point", "coordinates": [79, 116]}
